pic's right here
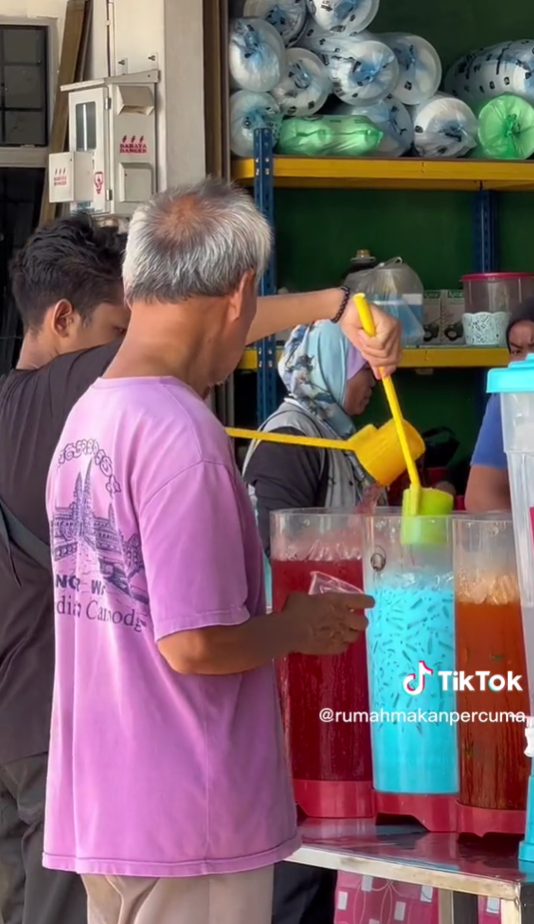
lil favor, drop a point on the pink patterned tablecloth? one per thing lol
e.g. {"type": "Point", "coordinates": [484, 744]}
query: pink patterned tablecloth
{"type": "Point", "coordinates": [367, 900]}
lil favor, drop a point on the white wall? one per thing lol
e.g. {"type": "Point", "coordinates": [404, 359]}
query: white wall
{"type": "Point", "coordinates": [169, 30]}
{"type": "Point", "coordinates": [166, 34]}
{"type": "Point", "coordinates": [34, 9]}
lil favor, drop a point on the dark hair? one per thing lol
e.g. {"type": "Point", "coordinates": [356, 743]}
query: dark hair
{"type": "Point", "coordinates": [523, 312]}
{"type": "Point", "coordinates": [71, 259]}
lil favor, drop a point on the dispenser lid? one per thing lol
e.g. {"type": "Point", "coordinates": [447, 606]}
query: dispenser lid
{"type": "Point", "coordinates": [517, 378]}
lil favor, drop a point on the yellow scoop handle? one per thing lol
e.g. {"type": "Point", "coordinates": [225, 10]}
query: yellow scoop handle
{"type": "Point", "coordinates": [290, 440]}
{"type": "Point", "coordinates": [369, 327]}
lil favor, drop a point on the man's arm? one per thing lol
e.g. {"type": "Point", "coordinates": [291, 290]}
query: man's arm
{"type": "Point", "coordinates": [194, 554]}
{"type": "Point", "coordinates": [281, 312]}
{"type": "Point", "coordinates": [488, 487]}
{"type": "Point", "coordinates": [275, 313]}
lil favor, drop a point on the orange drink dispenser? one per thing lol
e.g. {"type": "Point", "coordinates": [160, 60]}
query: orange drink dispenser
{"type": "Point", "coordinates": [330, 760]}
{"type": "Point", "coordinates": [492, 677]}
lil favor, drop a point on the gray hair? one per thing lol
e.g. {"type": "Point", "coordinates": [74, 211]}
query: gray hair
{"type": "Point", "coordinates": [194, 241]}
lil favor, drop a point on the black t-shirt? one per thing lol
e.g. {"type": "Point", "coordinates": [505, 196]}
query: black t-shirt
{"type": "Point", "coordinates": [284, 477]}
{"type": "Point", "coordinates": [34, 406]}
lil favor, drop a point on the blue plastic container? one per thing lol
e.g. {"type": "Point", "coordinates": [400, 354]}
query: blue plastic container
{"type": "Point", "coordinates": [411, 631]}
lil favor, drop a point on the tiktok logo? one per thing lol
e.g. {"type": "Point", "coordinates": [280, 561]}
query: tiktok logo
{"type": "Point", "coordinates": [408, 682]}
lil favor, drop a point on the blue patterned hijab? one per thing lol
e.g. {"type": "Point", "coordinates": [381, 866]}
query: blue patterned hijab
{"type": "Point", "coordinates": [315, 367]}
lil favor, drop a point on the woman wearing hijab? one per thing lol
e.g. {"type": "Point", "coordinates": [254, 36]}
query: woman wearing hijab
{"type": "Point", "coordinates": [488, 487]}
{"type": "Point", "coordinates": [328, 383]}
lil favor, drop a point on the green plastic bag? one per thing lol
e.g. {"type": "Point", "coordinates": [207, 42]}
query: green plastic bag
{"type": "Point", "coordinates": [329, 136]}
{"type": "Point", "coordinates": [506, 129]}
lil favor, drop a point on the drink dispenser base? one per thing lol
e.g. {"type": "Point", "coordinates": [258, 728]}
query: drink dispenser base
{"type": "Point", "coordinates": [410, 638]}
{"type": "Point", "coordinates": [436, 813]}
{"type": "Point", "coordinates": [330, 761]}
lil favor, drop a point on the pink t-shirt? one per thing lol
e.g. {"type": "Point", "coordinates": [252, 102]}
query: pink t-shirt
{"type": "Point", "coordinates": [153, 773]}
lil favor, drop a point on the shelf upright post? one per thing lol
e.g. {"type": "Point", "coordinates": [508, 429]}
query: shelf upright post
{"type": "Point", "coordinates": [264, 199]}
{"type": "Point", "coordinates": [486, 235]}
{"type": "Point", "coordinates": [486, 261]}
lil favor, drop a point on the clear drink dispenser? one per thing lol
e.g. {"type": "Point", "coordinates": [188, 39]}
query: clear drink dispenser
{"type": "Point", "coordinates": [489, 644]}
{"type": "Point", "coordinates": [515, 384]}
{"type": "Point", "coordinates": [410, 638]}
{"type": "Point", "coordinates": [331, 761]}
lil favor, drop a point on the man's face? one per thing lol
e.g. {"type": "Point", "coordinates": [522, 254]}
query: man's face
{"type": "Point", "coordinates": [108, 322]}
{"type": "Point", "coordinates": [69, 332]}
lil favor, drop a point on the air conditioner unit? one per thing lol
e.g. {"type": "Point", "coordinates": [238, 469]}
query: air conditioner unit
{"type": "Point", "coordinates": [110, 167]}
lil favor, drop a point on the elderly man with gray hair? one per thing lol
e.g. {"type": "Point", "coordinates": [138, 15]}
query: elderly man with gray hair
{"type": "Point", "coordinates": [168, 789]}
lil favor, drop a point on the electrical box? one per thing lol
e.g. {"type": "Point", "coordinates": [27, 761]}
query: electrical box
{"type": "Point", "coordinates": [110, 167]}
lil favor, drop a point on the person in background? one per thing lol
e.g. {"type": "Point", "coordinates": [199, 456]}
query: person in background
{"type": "Point", "coordinates": [328, 383]}
{"type": "Point", "coordinates": [67, 285]}
{"type": "Point", "coordinates": [147, 510]}
{"type": "Point", "coordinates": [488, 486]}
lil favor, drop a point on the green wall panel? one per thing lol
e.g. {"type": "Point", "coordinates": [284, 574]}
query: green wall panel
{"type": "Point", "coordinates": [319, 230]}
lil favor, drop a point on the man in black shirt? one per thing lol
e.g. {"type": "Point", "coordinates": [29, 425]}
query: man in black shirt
{"type": "Point", "coordinates": [67, 285]}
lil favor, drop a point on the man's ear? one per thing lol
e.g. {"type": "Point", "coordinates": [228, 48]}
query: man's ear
{"type": "Point", "coordinates": [240, 298]}
{"type": "Point", "coordinates": [63, 318]}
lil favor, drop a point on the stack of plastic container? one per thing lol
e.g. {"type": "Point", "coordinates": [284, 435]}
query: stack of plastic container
{"type": "Point", "coordinates": [291, 58]}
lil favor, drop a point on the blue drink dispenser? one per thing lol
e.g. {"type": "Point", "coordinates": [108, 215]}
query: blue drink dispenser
{"type": "Point", "coordinates": [516, 388]}
{"type": "Point", "coordinates": [410, 639]}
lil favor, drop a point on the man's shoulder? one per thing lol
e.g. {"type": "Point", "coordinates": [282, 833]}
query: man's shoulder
{"type": "Point", "coordinates": [205, 435]}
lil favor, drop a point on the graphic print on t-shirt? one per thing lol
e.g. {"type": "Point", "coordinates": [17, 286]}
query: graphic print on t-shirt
{"type": "Point", "coordinates": [99, 567]}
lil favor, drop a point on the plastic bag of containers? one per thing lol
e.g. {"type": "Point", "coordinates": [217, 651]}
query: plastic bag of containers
{"type": "Point", "coordinates": [328, 136]}
{"type": "Point", "coordinates": [444, 127]}
{"type": "Point", "coordinates": [392, 118]}
{"type": "Point", "coordinates": [419, 66]}
{"type": "Point", "coordinates": [490, 72]}
{"type": "Point", "coordinates": [306, 87]}
{"type": "Point", "coordinates": [365, 74]}
{"type": "Point", "coordinates": [343, 15]}
{"type": "Point", "coordinates": [396, 288]}
{"type": "Point", "coordinates": [249, 111]}
{"type": "Point", "coordinates": [506, 129]}
{"type": "Point", "coordinates": [257, 56]}
{"type": "Point", "coordinates": [287, 16]}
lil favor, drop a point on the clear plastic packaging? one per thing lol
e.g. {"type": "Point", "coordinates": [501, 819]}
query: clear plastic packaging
{"type": "Point", "coordinates": [392, 118]}
{"type": "Point", "coordinates": [506, 129]}
{"type": "Point", "coordinates": [444, 127]}
{"type": "Point", "coordinates": [306, 87]}
{"type": "Point", "coordinates": [397, 289]}
{"type": "Point", "coordinates": [287, 16]}
{"type": "Point", "coordinates": [419, 65]}
{"type": "Point", "coordinates": [257, 56]}
{"type": "Point", "coordinates": [328, 136]}
{"type": "Point", "coordinates": [490, 72]}
{"type": "Point", "coordinates": [365, 74]}
{"type": "Point", "coordinates": [343, 15]}
{"type": "Point", "coordinates": [249, 111]}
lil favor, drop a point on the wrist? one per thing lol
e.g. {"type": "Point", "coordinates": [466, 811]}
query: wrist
{"type": "Point", "coordinates": [331, 301]}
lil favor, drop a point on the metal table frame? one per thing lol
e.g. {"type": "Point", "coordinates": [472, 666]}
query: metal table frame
{"type": "Point", "coordinates": [458, 890]}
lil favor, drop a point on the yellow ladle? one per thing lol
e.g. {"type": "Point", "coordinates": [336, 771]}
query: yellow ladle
{"type": "Point", "coordinates": [416, 501]}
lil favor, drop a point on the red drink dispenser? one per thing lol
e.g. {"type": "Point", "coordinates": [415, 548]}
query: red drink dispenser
{"type": "Point", "coordinates": [331, 761]}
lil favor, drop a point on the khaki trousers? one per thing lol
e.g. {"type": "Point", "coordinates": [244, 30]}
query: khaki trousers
{"type": "Point", "coordinates": [239, 898]}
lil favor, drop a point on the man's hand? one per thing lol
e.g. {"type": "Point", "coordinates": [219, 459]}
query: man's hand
{"type": "Point", "coordinates": [326, 623]}
{"type": "Point", "coordinates": [383, 352]}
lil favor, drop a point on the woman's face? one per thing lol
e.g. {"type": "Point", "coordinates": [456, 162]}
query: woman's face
{"type": "Point", "coordinates": [358, 392]}
{"type": "Point", "coordinates": [521, 339]}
